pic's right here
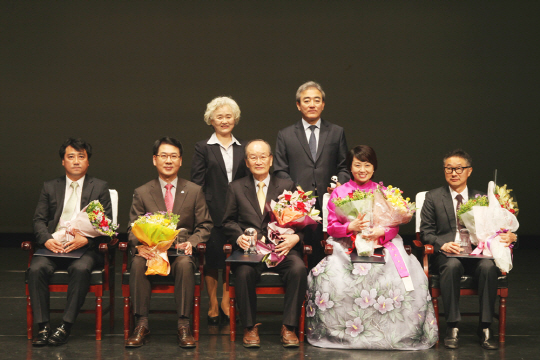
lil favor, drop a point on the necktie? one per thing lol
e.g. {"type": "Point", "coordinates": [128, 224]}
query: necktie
{"type": "Point", "coordinates": [168, 198]}
{"type": "Point", "coordinates": [69, 208]}
{"type": "Point", "coordinates": [313, 142]}
{"type": "Point", "coordinates": [459, 199]}
{"type": "Point", "coordinates": [260, 195]}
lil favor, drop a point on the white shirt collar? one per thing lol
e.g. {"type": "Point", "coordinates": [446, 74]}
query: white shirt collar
{"type": "Point", "coordinates": [307, 125]}
{"type": "Point", "coordinates": [266, 181]}
{"type": "Point", "coordinates": [80, 182]}
{"type": "Point", "coordinates": [214, 140]}
{"type": "Point", "coordinates": [163, 183]}
{"type": "Point", "coordinates": [464, 193]}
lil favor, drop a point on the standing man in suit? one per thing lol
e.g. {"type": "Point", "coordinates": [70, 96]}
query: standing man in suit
{"type": "Point", "coordinates": [245, 208]}
{"type": "Point", "coordinates": [167, 193]}
{"type": "Point", "coordinates": [62, 199]}
{"type": "Point", "coordinates": [310, 152]}
{"type": "Point", "coordinates": [439, 227]}
{"type": "Point", "coordinates": [217, 161]}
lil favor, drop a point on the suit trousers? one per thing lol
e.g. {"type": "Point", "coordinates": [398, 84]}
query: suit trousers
{"type": "Point", "coordinates": [140, 285]}
{"type": "Point", "coordinates": [452, 269]}
{"type": "Point", "coordinates": [294, 275]}
{"type": "Point", "coordinates": [79, 271]}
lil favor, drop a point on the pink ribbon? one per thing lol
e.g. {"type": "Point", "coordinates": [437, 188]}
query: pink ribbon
{"type": "Point", "coordinates": [398, 260]}
{"type": "Point", "coordinates": [485, 246]}
{"type": "Point", "coordinates": [272, 259]}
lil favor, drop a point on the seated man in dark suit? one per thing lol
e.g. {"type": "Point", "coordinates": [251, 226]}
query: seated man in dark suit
{"type": "Point", "coordinates": [167, 193]}
{"type": "Point", "coordinates": [62, 199]}
{"type": "Point", "coordinates": [245, 208]}
{"type": "Point", "coordinates": [440, 228]}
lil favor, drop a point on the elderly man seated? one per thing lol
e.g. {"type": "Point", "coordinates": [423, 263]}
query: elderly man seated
{"type": "Point", "coordinates": [245, 208]}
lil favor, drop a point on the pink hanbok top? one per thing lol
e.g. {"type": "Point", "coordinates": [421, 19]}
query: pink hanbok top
{"type": "Point", "coordinates": [337, 225]}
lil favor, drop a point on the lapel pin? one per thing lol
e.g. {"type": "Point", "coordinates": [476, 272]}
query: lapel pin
{"type": "Point", "coordinates": [181, 192]}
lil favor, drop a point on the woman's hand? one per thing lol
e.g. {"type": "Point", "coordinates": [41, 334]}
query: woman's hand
{"type": "Point", "coordinates": [145, 252]}
{"type": "Point", "coordinates": [375, 234]}
{"type": "Point", "coordinates": [358, 224]}
{"type": "Point", "coordinates": [507, 238]}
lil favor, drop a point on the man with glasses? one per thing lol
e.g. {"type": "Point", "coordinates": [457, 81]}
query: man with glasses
{"type": "Point", "coordinates": [440, 228]}
{"type": "Point", "coordinates": [172, 194]}
{"type": "Point", "coordinates": [246, 208]}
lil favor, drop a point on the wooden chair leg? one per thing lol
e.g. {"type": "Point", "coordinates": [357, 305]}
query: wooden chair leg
{"type": "Point", "coordinates": [232, 315]}
{"type": "Point", "coordinates": [302, 323]}
{"type": "Point", "coordinates": [502, 319]}
{"type": "Point", "coordinates": [99, 314]}
{"type": "Point", "coordinates": [127, 317]}
{"type": "Point", "coordinates": [29, 317]}
{"type": "Point", "coordinates": [196, 317]}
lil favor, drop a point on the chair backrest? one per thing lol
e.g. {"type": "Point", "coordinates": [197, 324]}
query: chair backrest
{"type": "Point", "coordinates": [420, 197]}
{"type": "Point", "coordinates": [324, 210]}
{"type": "Point", "coordinates": [114, 204]}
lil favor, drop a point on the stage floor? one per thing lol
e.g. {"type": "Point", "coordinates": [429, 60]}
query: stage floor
{"type": "Point", "coordinates": [522, 339]}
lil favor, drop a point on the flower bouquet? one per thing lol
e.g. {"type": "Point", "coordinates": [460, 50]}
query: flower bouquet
{"type": "Point", "coordinates": [390, 208]}
{"type": "Point", "coordinates": [157, 231]}
{"type": "Point", "coordinates": [89, 222]}
{"type": "Point", "coordinates": [293, 211]}
{"type": "Point", "coordinates": [357, 202]}
{"type": "Point", "coordinates": [484, 217]}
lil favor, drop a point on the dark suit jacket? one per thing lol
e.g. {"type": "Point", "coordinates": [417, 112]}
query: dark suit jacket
{"type": "Point", "coordinates": [438, 225]}
{"type": "Point", "coordinates": [208, 170]}
{"type": "Point", "coordinates": [189, 203]}
{"type": "Point", "coordinates": [51, 203]}
{"type": "Point", "coordinates": [242, 210]}
{"type": "Point", "coordinates": [293, 158]}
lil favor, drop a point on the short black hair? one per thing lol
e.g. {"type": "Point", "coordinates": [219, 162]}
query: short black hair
{"type": "Point", "coordinates": [362, 153]}
{"type": "Point", "coordinates": [78, 144]}
{"type": "Point", "coordinates": [459, 153]}
{"type": "Point", "coordinates": [167, 140]}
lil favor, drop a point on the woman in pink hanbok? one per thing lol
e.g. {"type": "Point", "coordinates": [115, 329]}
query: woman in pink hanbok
{"type": "Point", "coordinates": [367, 305]}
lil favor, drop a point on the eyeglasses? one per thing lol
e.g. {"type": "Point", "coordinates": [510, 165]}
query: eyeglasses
{"type": "Point", "coordinates": [173, 157]}
{"type": "Point", "coordinates": [458, 170]}
{"type": "Point", "coordinates": [263, 158]}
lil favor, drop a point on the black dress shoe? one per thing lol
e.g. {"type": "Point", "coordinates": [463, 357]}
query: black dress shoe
{"type": "Point", "coordinates": [42, 337]}
{"type": "Point", "coordinates": [486, 339]}
{"type": "Point", "coordinates": [224, 319]}
{"type": "Point", "coordinates": [213, 320]}
{"type": "Point", "coordinates": [451, 339]}
{"type": "Point", "coordinates": [60, 336]}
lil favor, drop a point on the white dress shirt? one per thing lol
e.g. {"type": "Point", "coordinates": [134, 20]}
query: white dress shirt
{"type": "Point", "coordinates": [69, 190]}
{"type": "Point", "coordinates": [266, 181]}
{"type": "Point", "coordinates": [308, 131]}
{"type": "Point", "coordinates": [173, 189]}
{"type": "Point", "coordinates": [465, 194]}
{"type": "Point", "coordinates": [226, 152]}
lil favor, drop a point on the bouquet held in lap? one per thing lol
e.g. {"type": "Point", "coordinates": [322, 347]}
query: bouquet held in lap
{"type": "Point", "coordinates": [157, 232]}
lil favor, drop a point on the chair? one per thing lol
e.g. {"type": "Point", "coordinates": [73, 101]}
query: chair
{"type": "Point", "coordinates": [162, 285]}
{"type": "Point", "coordinates": [467, 285]}
{"type": "Point", "coordinates": [269, 283]}
{"type": "Point", "coordinates": [101, 280]}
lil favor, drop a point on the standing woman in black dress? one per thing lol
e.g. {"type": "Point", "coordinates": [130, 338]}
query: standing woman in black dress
{"type": "Point", "coordinates": [218, 160]}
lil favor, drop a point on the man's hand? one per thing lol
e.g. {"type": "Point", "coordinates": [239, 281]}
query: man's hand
{"type": "Point", "coordinates": [289, 242]}
{"type": "Point", "coordinates": [78, 242]}
{"type": "Point", "coordinates": [145, 252]}
{"type": "Point", "coordinates": [54, 245]}
{"type": "Point", "coordinates": [507, 238]}
{"type": "Point", "coordinates": [243, 242]}
{"type": "Point", "coordinates": [358, 224]}
{"type": "Point", "coordinates": [451, 248]}
{"type": "Point", "coordinates": [375, 234]}
{"type": "Point", "coordinates": [187, 247]}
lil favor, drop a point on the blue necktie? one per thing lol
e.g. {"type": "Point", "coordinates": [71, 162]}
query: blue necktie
{"type": "Point", "coordinates": [313, 142]}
